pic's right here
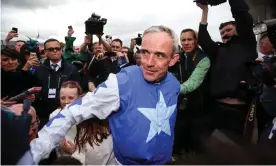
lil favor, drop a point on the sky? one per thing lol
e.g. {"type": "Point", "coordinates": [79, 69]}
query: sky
{"type": "Point", "coordinates": [125, 18]}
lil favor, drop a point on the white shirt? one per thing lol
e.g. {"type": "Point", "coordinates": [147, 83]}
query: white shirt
{"type": "Point", "coordinates": [58, 65]}
{"type": "Point", "coordinates": [97, 155]}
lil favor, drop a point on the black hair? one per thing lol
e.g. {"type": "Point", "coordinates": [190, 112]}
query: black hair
{"type": "Point", "coordinates": [10, 53]}
{"type": "Point", "coordinates": [189, 30]}
{"type": "Point", "coordinates": [222, 25]}
{"type": "Point", "coordinates": [67, 160]}
{"type": "Point", "coordinates": [51, 40]}
{"type": "Point", "coordinates": [118, 40]}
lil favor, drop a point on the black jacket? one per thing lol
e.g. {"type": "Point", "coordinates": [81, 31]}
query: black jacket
{"type": "Point", "coordinates": [99, 70]}
{"type": "Point", "coordinates": [229, 61]}
{"type": "Point", "coordinates": [48, 78]}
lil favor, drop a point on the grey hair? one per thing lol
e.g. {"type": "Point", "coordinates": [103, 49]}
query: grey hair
{"type": "Point", "coordinates": [167, 30]}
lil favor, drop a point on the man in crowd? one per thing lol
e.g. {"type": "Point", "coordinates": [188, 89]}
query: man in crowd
{"type": "Point", "coordinates": [97, 66]}
{"type": "Point", "coordinates": [230, 98]}
{"type": "Point", "coordinates": [141, 119]}
{"type": "Point", "coordinates": [191, 71]}
{"type": "Point", "coordinates": [117, 46]}
{"type": "Point", "coordinates": [266, 47]}
{"type": "Point", "coordinates": [54, 71]}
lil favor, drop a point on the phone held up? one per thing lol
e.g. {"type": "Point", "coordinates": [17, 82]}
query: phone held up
{"type": "Point", "coordinates": [15, 30]}
{"type": "Point", "coordinates": [70, 27]}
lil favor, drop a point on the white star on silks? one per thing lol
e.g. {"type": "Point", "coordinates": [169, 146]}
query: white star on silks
{"type": "Point", "coordinates": [159, 117]}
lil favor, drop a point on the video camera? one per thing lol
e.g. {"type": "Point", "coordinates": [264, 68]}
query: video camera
{"type": "Point", "coordinates": [211, 2]}
{"type": "Point", "coordinates": [268, 27]}
{"type": "Point", "coordinates": [139, 39]}
{"type": "Point", "coordinates": [265, 72]}
{"type": "Point", "coordinates": [95, 24]}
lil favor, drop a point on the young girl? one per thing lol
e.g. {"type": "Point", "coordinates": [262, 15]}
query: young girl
{"type": "Point", "coordinates": [70, 91]}
{"type": "Point", "coordinates": [91, 141]}
{"type": "Point", "coordinates": [94, 143]}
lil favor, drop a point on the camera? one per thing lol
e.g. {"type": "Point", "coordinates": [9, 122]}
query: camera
{"type": "Point", "coordinates": [268, 27]}
{"type": "Point", "coordinates": [139, 39]}
{"type": "Point", "coordinates": [210, 2]}
{"type": "Point", "coordinates": [95, 25]}
{"type": "Point", "coordinates": [265, 72]}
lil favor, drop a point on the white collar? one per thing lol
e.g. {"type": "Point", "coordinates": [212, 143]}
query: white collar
{"type": "Point", "coordinates": [261, 55]}
{"type": "Point", "coordinates": [59, 63]}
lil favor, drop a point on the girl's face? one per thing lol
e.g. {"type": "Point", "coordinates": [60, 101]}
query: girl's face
{"type": "Point", "coordinates": [67, 96]}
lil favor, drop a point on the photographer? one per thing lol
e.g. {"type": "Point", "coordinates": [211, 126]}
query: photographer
{"type": "Point", "coordinates": [102, 64]}
{"type": "Point", "coordinates": [99, 66]}
{"type": "Point", "coordinates": [122, 59]}
{"type": "Point", "coordinates": [230, 98]}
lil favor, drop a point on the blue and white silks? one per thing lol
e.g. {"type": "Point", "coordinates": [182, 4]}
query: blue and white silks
{"type": "Point", "coordinates": [141, 117]}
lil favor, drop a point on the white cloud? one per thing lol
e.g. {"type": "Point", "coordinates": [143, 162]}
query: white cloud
{"type": "Point", "coordinates": [126, 18]}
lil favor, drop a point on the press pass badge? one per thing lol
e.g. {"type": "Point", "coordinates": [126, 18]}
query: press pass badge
{"type": "Point", "coordinates": [52, 93]}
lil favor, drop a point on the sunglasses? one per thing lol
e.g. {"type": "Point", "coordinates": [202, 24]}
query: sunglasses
{"type": "Point", "coordinates": [53, 48]}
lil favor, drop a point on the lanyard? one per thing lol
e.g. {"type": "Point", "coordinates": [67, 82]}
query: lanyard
{"type": "Point", "coordinates": [49, 81]}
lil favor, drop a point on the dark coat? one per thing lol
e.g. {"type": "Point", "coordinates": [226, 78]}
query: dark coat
{"type": "Point", "coordinates": [50, 79]}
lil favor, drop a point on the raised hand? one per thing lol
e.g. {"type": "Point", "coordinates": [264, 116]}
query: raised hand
{"type": "Point", "coordinates": [201, 6]}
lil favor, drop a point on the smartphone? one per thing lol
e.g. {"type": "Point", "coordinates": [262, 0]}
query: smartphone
{"type": "Point", "coordinates": [70, 27]}
{"type": "Point", "coordinates": [25, 94]}
{"type": "Point", "coordinates": [15, 30]}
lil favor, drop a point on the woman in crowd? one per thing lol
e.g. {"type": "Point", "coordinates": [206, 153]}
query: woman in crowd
{"type": "Point", "coordinates": [14, 80]}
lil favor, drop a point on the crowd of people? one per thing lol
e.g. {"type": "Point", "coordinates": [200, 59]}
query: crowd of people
{"type": "Point", "coordinates": [104, 103]}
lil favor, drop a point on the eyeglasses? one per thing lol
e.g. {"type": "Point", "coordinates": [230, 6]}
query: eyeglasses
{"type": "Point", "coordinates": [51, 49]}
{"type": "Point", "coordinates": [35, 123]}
